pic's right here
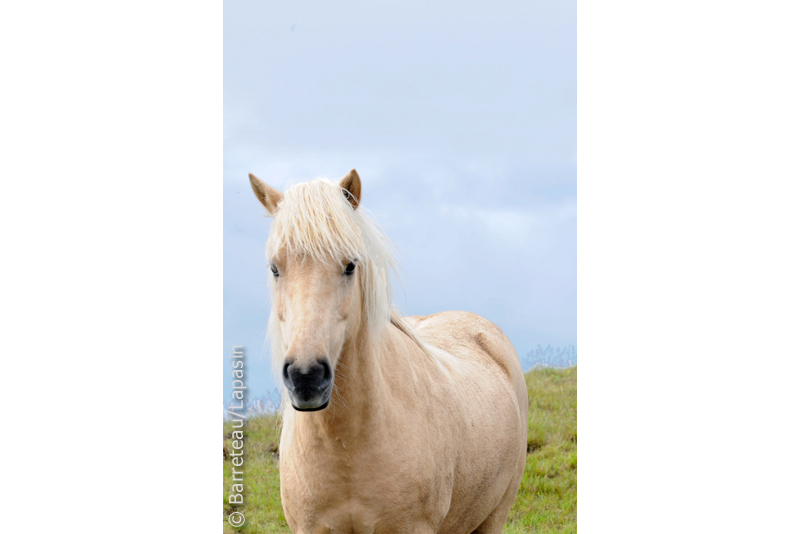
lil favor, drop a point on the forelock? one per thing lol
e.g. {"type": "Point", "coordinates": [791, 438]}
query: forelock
{"type": "Point", "coordinates": [314, 219]}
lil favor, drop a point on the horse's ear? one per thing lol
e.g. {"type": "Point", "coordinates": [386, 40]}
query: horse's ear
{"type": "Point", "coordinates": [267, 195]}
{"type": "Point", "coordinates": [352, 188]}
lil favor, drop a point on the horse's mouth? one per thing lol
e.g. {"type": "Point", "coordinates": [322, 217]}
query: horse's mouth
{"type": "Point", "coordinates": [313, 404]}
{"type": "Point", "coordinates": [320, 407]}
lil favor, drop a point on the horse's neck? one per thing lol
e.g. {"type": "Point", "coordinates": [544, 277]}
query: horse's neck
{"type": "Point", "coordinates": [359, 391]}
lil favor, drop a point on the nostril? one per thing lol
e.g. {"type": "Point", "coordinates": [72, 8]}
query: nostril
{"type": "Point", "coordinates": [327, 375]}
{"type": "Point", "coordinates": [286, 370]}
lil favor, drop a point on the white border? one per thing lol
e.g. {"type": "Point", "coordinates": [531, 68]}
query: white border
{"type": "Point", "coordinates": [688, 266]}
{"type": "Point", "coordinates": [112, 286]}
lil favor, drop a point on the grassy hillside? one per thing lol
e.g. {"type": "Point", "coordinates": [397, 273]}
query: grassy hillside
{"type": "Point", "coordinates": [547, 498]}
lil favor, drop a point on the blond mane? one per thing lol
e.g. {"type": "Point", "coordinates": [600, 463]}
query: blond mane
{"type": "Point", "coordinates": [315, 220]}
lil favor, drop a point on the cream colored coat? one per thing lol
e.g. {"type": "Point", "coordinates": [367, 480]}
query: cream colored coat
{"type": "Point", "coordinates": [426, 427]}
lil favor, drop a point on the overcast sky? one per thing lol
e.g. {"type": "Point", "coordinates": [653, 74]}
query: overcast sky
{"type": "Point", "coordinates": [461, 121]}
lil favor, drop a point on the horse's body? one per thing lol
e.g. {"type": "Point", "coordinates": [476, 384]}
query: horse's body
{"type": "Point", "coordinates": [422, 428]}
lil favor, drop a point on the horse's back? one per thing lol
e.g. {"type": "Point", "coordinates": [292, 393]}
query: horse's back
{"type": "Point", "coordinates": [453, 330]}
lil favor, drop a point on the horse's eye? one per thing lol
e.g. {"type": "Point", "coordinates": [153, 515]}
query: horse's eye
{"type": "Point", "coordinates": [274, 270]}
{"type": "Point", "coordinates": [350, 269]}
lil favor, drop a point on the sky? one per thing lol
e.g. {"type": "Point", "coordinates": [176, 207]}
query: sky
{"type": "Point", "coordinates": [460, 119]}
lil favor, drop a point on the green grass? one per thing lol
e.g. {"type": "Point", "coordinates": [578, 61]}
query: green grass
{"type": "Point", "coordinates": [547, 501]}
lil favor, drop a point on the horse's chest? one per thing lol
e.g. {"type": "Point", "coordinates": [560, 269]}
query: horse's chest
{"type": "Point", "coordinates": [354, 493]}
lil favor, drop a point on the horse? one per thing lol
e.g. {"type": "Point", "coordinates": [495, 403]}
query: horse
{"type": "Point", "coordinates": [393, 424]}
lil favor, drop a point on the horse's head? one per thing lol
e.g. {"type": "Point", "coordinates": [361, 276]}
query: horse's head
{"type": "Point", "coordinates": [316, 254]}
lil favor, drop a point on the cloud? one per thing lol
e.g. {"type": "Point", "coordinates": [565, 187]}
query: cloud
{"type": "Point", "coordinates": [461, 121]}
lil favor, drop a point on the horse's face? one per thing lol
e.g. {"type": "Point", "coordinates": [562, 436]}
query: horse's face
{"type": "Point", "coordinates": [318, 306]}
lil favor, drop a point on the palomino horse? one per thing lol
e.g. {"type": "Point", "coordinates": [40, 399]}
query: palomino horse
{"type": "Point", "coordinates": [401, 425]}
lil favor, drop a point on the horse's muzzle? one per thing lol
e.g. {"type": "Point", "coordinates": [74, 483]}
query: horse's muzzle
{"type": "Point", "coordinates": [309, 385]}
